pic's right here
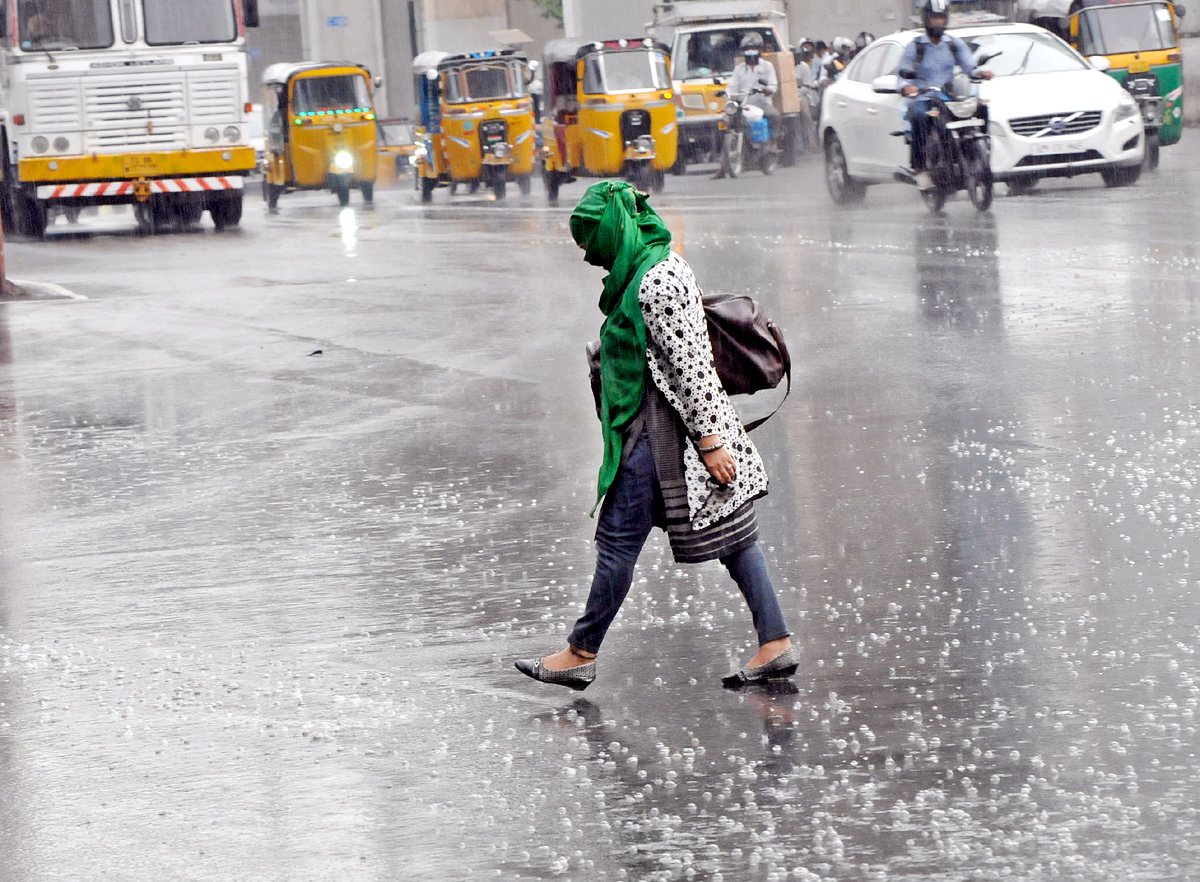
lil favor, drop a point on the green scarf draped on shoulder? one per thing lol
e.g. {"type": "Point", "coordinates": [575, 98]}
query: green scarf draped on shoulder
{"type": "Point", "coordinates": [620, 232]}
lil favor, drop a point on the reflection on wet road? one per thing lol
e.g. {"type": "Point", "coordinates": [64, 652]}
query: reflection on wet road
{"type": "Point", "coordinates": [259, 605]}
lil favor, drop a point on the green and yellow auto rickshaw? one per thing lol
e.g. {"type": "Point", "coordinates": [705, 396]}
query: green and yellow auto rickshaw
{"type": "Point", "coordinates": [1138, 40]}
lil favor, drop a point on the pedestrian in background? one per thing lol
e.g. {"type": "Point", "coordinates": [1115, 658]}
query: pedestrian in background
{"type": "Point", "coordinates": [675, 452]}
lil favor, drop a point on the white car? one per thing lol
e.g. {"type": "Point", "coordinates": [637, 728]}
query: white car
{"type": "Point", "coordinates": [1051, 113]}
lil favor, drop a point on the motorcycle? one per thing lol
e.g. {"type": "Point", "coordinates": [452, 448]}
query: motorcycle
{"type": "Point", "coordinates": [958, 151]}
{"type": "Point", "coordinates": [746, 140]}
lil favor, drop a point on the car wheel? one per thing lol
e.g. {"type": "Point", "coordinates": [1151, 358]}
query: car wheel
{"type": "Point", "coordinates": [842, 188]}
{"type": "Point", "coordinates": [1022, 186]}
{"type": "Point", "coordinates": [1117, 176]}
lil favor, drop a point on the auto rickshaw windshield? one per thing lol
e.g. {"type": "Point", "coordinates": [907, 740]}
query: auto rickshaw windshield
{"type": "Point", "coordinates": [485, 82]}
{"type": "Point", "coordinates": [340, 92]}
{"type": "Point", "coordinates": [629, 71]}
{"type": "Point", "coordinates": [1115, 30]}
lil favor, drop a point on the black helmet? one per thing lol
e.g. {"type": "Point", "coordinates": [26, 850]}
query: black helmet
{"type": "Point", "coordinates": [863, 40]}
{"type": "Point", "coordinates": [931, 8]}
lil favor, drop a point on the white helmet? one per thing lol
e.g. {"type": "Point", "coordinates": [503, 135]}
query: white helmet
{"type": "Point", "coordinates": [842, 45]}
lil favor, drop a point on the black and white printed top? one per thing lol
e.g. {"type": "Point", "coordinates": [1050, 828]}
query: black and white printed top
{"type": "Point", "coordinates": [681, 364]}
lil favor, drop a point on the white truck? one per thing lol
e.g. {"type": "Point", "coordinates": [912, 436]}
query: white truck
{"type": "Point", "coordinates": [705, 37]}
{"type": "Point", "coordinates": [142, 102]}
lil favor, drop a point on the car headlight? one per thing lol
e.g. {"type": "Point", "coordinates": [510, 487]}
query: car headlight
{"type": "Point", "coordinates": [1125, 109]}
{"type": "Point", "coordinates": [344, 161]}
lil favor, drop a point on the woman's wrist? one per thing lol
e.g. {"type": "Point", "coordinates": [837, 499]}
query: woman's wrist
{"type": "Point", "coordinates": [709, 443]}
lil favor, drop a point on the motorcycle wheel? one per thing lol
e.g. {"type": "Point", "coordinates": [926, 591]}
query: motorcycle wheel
{"type": "Point", "coordinates": [979, 176]}
{"type": "Point", "coordinates": [769, 160]}
{"type": "Point", "coordinates": [935, 198]}
{"type": "Point", "coordinates": [731, 155]}
{"type": "Point", "coordinates": [1152, 146]}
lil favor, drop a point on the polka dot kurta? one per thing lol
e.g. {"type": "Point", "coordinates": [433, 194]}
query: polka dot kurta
{"type": "Point", "coordinates": [681, 365]}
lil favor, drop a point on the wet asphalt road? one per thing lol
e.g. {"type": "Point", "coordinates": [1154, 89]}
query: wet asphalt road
{"type": "Point", "coordinates": [259, 606]}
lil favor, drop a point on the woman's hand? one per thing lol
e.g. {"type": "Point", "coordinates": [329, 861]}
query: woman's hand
{"type": "Point", "coordinates": [719, 462]}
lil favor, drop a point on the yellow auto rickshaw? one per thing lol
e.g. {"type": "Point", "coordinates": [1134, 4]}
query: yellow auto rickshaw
{"type": "Point", "coordinates": [476, 123]}
{"type": "Point", "coordinates": [320, 130]}
{"type": "Point", "coordinates": [610, 111]}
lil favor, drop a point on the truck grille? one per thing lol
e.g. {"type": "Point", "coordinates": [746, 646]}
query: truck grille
{"type": "Point", "coordinates": [634, 124]}
{"type": "Point", "coordinates": [1051, 125]}
{"type": "Point", "coordinates": [54, 106]}
{"type": "Point", "coordinates": [213, 97]}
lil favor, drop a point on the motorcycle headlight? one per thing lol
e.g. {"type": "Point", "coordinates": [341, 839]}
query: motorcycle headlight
{"type": "Point", "coordinates": [1125, 109]}
{"type": "Point", "coordinates": [963, 109]}
{"type": "Point", "coordinates": [344, 161]}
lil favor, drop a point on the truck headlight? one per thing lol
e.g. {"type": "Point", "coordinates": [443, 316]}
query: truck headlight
{"type": "Point", "coordinates": [232, 134]}
{"type": "Point", "coordinates": [1126, 108]}
{"type": "Point", "coordinates": [39, 144]}
{"type": "Point", "coordinates": [212, 134]}
{"type": "Point", "coordinates": [344, 161]}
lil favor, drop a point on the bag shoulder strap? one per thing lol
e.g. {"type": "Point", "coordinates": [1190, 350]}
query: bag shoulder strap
{"type": "Point", "coordinates": [787, 373]}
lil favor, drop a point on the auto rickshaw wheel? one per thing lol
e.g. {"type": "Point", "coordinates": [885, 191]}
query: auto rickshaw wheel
{"type": "Point", "coordinates": [1152, 147]}
{"type": "Point", "coordinates": [368, 192]}
{"type": "Point", "coordinates": [273, 192]}
{"type": "Point", "coordinates": [525, 184]}
{"type": "Point", "coordinates": [552, 181]}
{"type": "Point", "coordinates": [658, 180]}
{"type": "Point", "coordinates": [343, 194]}
{"type": "Point", "coordinates": [428, 185]}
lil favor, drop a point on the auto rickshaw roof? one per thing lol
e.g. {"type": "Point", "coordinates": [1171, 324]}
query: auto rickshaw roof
{"type": "Point", "coordinates": [467, 59]}
{"type": "Point", "coordinates": [285, 70]}
{"type": "Point", "coordinates": [428, 60]}
{"type": "Point", "coordinates": [1077, 5]}
{"type": "Point", "coordinates": [558, 51]}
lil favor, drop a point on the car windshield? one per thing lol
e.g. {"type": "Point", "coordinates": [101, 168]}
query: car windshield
{"type": "Point", "coordinates": [171, 23]}
{"type": "Point", "coordinates": [486, 82]}
{"type": "Point", "coordinates": [1024, 53]}
{"type": "Point", "coordinates": [64, 24]}
{"type": "Point", "coordinates": [1113, 30]}
{"type": "Point", "coordinates": [629, 71]}
{"type": "Point", "coordinates": [715, 52]}
{"type": "Point", "coordinates": [345, 92]}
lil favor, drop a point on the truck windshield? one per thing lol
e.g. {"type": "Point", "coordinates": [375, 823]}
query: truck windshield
{"type": "Point", "coordinates": [485, 82]}
{"type": "Point", "coordinates": [346, 92]}
{"type": "Point", "coordinates": [1113, 30]}
{"type": "Point", "coordinates": [629, 71]}
{"type": "Point", "coordinates": [171, 23]}
{"type": "Point", "coordinates": [64, 24]}
{"type": "Point", "coordinates": [713, 53]}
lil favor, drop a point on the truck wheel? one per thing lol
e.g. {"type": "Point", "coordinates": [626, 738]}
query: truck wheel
{"type": "Point", "coordinates": [226, 211]}
{"type": "Point", "coordinates": [33, 216]}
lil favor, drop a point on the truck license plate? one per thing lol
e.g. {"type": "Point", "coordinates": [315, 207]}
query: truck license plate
{"type": "Point", "coordinates": [141, 165]}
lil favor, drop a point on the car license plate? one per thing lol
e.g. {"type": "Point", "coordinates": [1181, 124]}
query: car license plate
{"type": "Point", "coordinates": [1058, 147]}
{"type": "Point", "coordinates": [141, 165]}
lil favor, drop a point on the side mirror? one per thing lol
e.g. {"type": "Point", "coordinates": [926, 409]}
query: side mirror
{"type": "Point", "coordinates": [720, 93]}
{"type": "Point", "coordinates": [250, 13]}
{"type": "Point", "coordinates": [431, 75]}
{"type": "Point", "coordinates": [888, 84]}
{"type": "Point", "coordinates": [377, 82]}
{"type": "Point", "coordinates": [1180, 10]}
{"type": "Point", "coordinates": [1099, 62]}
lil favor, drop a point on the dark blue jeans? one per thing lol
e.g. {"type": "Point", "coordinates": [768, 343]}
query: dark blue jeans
{"type": "Point", "coordinates": [625, 522]}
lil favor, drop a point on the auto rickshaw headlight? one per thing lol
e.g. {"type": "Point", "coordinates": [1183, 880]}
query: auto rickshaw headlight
{"type": "Point", "coordinates": [499, 150]}
{"type": "Point", "coordinates": [344, 161]}
{"type": "Point", "coordinates": [212, 134]}
{"type": "Point", "coordinates": [39, 144]}
{"type": "Point", "coordinates": [232, 134]}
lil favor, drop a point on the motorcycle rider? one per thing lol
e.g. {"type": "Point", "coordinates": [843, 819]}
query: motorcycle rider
{"type": "Point", "coordinates": [843, 49]}
{"type": "Point", "coordinates": [754, 80]}
{"type": "Point", "coordinates": [928, 62]}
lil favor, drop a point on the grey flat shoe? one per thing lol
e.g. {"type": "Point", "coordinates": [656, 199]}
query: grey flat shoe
{"type": "Point", "coordinates": [578, 678]}
{"type": "Point", "coordinates": [780, 667]}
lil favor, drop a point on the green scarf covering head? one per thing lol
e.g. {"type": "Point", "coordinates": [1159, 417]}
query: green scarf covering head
{"type": "Point", "coordinates": [620, 232]}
